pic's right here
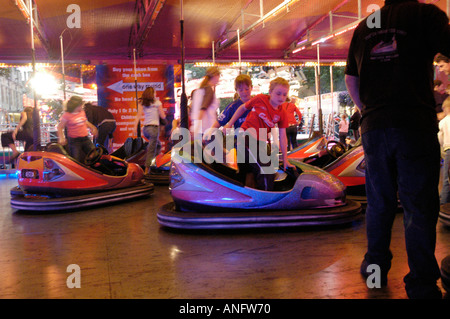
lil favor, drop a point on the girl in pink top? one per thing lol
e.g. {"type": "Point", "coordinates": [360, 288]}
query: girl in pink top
{"type": "Point", "coordinates": [74, 119]}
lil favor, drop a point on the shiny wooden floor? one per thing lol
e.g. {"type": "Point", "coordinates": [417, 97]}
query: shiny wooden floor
{"type": "Point", "coordinates": [123, 252]}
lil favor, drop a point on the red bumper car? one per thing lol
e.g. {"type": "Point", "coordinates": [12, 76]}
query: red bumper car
{"type": "Point", "coordinates": [52, 180]}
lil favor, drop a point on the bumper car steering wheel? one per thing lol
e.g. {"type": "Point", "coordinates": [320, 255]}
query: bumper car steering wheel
{"type": "Point", "coordinates": [335, 149]}
{"type": "Point", "coordinates": [93, 156]}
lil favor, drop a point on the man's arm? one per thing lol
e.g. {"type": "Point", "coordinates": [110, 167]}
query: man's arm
{"type": "Point", "coordinates": [352, 83]}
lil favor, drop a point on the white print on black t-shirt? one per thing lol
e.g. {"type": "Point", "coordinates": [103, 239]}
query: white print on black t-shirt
{"type": "Point", "coordinates": [386, 49]}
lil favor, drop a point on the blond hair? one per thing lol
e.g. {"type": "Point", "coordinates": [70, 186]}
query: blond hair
{"type": "Point", "coordinates": [278, 81]}
{"type": "Point", "coordinates": [242, 79]}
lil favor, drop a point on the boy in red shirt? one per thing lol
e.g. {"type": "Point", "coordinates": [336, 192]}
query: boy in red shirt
{"type": "Point", "coordinates": [253, 140]}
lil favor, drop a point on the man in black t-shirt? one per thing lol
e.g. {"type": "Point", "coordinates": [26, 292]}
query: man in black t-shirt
{"type": "Point", "coordinates": [389, 76]}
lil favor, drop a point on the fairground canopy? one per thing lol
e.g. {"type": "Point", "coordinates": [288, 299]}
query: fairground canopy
{"type": "Point", "coordinates": [95, 31]}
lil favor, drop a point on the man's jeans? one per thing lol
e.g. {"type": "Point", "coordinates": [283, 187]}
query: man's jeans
{"type": "Point", "coordinates": [445, 192]}
{"type": "Point", "coordinates": [405, 163]}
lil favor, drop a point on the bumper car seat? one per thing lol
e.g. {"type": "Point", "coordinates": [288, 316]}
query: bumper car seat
{"type": "Point", "coordinates": [99, 160]}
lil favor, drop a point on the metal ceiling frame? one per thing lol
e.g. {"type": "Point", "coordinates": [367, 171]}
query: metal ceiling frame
{"type": "Point", "coordinates": [300, 43]}
{"type": "Point", "coordinates": [38, 27]}
{"type": "Point", "coordinates": [223, 44]}
{"type": "Point", "coordinates": [147, 12]}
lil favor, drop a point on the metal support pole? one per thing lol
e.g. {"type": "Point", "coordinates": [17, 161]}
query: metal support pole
{"type": "Point", "coordinates": [36, 116]}
{"type": "Point", "coordinates": [239, 49]}
{"type": "Point", "coordinates": [62, 64]}
{"type": "Point", "coordinates": [319, 100]}
{"type": "Point", "coordinates": [332, 101]}
{"type": "Point", "coordinates": [136, 90]}
{"type": "Point", "coordinates": [359, 10]}
{"type": "Point", "coordinates": [184, 117]}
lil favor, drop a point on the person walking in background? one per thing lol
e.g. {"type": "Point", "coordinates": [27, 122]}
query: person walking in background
{"type": "Point", "coordinates": [151, 109]}
{"type": "Point", "coordinates": [397, 114]}
{"type": "Point", "coordinates": [22, 132]}
{"type": "Point", "coordinates": [205, 103]}
{"type": "Point", "coordinates": [343, 128]}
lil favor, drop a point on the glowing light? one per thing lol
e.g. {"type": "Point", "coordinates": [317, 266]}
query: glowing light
{"type": "Point", "coordinates": [270, 64]}
{"type": "Point", "coordinates": [204, 64]}
{"type": "Point", "coordinates": [340, 63]}
{"type": "Point", "coordinates": [45, 108]}
{"type": "Point", "coordinates": [322, 40]}
{"type": "Point", "coordinates": [311, 64]}
{"type": "Point", "coordinates": [299, 49]}
{"type": "Point", "coordinates": [44, 83]}
{"type": "Point", "coordinates": [174, 251]}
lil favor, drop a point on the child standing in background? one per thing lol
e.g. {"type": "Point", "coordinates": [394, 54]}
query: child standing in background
{"type": "Point", "coordinates": [74, 119]}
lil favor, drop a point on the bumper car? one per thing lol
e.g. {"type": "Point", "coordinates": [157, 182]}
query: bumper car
{"type": "Point", "coordinates": [333, 157]}
{"type": "Point", "coordinates": [135, 151]}
{"type": "Point", "coordinates": [160, 169]}
{"type": "Point", "coordinates": [347, 166]}
{"type": "Point", "coordinates": [213, 196]}
{"type": "Point", "coordinates": [52, 180]}
{"type": "Point", "coordinates": [311, 147]}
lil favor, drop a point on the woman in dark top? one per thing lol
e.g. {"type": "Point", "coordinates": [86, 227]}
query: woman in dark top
{"type": "Point", "coordinates": [23, 132]}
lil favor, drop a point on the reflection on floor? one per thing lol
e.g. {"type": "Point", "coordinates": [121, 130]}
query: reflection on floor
{"type": "Point", "coordinates": [122, 252]}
